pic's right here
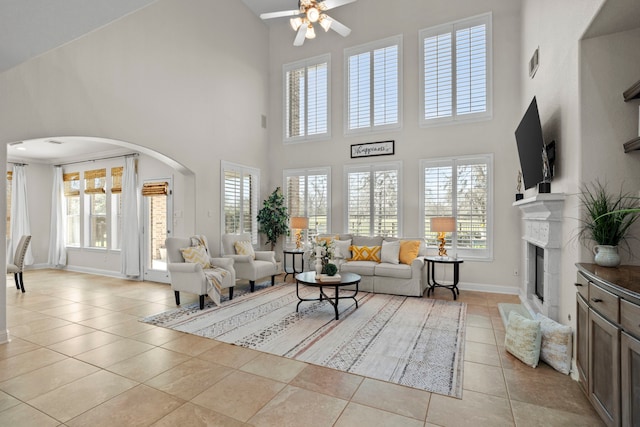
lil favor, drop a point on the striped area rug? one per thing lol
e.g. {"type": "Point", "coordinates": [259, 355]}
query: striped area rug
{"type": "Point", "coordinates": [417, 342]}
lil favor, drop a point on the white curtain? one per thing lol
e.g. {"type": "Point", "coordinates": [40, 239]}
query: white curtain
{"type": "Point", "coordinates": [19, 212]}
{"type": "Point", "coordinates": [57, 246]}
{"type": "Point", "coordinates": [130, 251]}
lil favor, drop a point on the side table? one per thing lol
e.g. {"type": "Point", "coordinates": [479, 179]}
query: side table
{"type": "Point", "coordinates": [431, 277]}
{"type": "Point", "coordinates": [292, 269]}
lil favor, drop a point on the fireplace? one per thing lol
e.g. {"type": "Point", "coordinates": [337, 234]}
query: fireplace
{"type": "Point", "coordinates": [542, 244]}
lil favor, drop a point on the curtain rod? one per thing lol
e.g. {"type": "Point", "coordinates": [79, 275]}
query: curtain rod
{"type": "Point", "coordinates": [97, 160]}
{"type": "Point", "coordinates": [18, 164]}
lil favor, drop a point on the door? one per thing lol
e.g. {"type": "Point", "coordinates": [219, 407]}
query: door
{"type": "Point", "coordinates": [158, 215]}
{"type": "Point", "coordinates": [630, 361]}
{"type": "Point", "coordinates": [582, 347]}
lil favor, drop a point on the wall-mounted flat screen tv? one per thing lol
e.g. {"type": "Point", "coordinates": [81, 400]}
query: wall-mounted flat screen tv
{"type": "Point", "coordinates": [530, 145]}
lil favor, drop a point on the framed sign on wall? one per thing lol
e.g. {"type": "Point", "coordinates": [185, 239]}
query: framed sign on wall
{"type": "Point", "coordinates": [369, 149]}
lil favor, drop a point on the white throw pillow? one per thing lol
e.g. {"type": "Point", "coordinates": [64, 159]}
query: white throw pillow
{"type": "Point", "coordinates": [341, 248]}
{"type": "Point", "coordinates": [390, 252]}
{"type": "Point", "coordinates": [557, 347]}
{"type": "Point", "coordinates": [244, 247]}
{"type": "Point", "coordinates": [523, 339]}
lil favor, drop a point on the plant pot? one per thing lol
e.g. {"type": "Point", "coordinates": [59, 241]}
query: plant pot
{"type": "Point", "coordinates": [606, 256]}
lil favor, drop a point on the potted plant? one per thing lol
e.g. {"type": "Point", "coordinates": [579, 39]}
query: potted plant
{"type": "Point", "coordinates": [607, 221]}
{"type": "Point", "coordinates": [273, 218]}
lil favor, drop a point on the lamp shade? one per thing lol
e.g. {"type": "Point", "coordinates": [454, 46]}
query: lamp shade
{"type": "Point", "coordinates": [299, 222]}
{"type": "Point", "coordinates": [443, 224]}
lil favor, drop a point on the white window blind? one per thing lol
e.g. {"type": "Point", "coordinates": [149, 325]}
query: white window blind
{"type": "Point", "coordinates": [456, 71]}
{"type": "Point", "coordinates": [308, 195]}
{"type": "Point", "coordinates": [373, 199]}
{"type": "Point", "coordinates": [240, 196]}
{"type": "Point", "coordinates": [462, 188]}
{"type": "Point", "coordinates": [306, 99]}
{"type": "Point", "coordinates": [373, 88]}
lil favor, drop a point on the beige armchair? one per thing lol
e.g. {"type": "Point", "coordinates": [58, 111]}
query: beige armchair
{"type": "Point", "coordinates": [18, 261]}
{"type": "Point", "coordinates": [190, 277]}
{"type": "Point", "coordinates": [246, 266]}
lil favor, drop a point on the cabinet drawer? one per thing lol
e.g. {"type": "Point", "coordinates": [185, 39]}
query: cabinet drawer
{"type": "Point", "coordinates": [604, 302]}
{"type": "Point", "coordinates": [630, 317]}
{"type": "Point", "coordinates": [582, 285]}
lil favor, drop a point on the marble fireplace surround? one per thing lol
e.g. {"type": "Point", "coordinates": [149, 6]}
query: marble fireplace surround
{"type": "Point", "coordinates": [542, 227]}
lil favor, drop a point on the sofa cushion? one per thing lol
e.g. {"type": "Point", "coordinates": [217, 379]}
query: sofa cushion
{"type": "Point", "coordinates": [522, 339]}
{"type": "Point", "coordinates": [390, 252]}
{"type": "Point", "coordinates": [363, 268]}
{"type": "Point", "coordinates": [342, 247]}
{"type": "Point", "coordinates": [556, 346]}
{"type": "Point", "coordinates": [409, 250]}
{"type": "Point", "coordinates": [366, 241]}
{"type": "Point", "coordinates": [399, 271]}
{"type": "Point", "coordinates": [365, 253]}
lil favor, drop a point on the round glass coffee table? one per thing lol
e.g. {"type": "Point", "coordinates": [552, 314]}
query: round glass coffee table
{"type": "Point", "coordinates": [309, 279]}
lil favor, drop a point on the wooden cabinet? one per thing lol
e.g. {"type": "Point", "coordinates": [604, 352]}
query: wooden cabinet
{"type": "Point", "coordinates": [608, 343]}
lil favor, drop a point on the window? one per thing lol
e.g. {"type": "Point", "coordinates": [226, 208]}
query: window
{"type": "Point", "coordinates": [96, 202]}
{"type": "Point", "coordinates": [72, 198]}
{"type": "Point", "coordinates": [240, 186]}
{"type": "Point", "coordinates": [306, 99]}
{"type": "Point", "coordinates": [372, 201]}
{"type": "Point", "coordinates": [456, 71]}
{"type": "Point", "coordinates": [307, 192]}
{"type": "Point", "coordinates": [373, 86]}
{"type": "Point", "coordinates": [460, 187]}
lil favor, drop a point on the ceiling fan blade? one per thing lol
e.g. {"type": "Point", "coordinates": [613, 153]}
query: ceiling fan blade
{"type": "Point", "coordinates": [330, 4]}
{"type": "Point", "coordinates": [270, 15]}
{"type": "Point", "coordinates": [299, 40]}
{"type": "Point", "coordinates": [340, 28]}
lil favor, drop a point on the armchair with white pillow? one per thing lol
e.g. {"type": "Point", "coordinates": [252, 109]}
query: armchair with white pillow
{"type": "Point", "coordinates": [249, 264]}
{"type": "Point", "coordinates": [192, 270]}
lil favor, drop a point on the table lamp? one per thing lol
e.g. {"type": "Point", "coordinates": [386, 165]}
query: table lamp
{"type": "Point", "coordinates": [443, 225]}
{"type": "Point", "coordinates": [299, 223]}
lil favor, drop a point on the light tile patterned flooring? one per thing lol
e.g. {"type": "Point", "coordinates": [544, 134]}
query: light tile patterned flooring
{"type": "Point", "coordinates": [80, 357]}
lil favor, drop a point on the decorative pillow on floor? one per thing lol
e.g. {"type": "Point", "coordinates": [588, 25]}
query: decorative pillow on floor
{"type": "Point", "coordinates": [390, 252]}
{"type": "Point", "coordinates": [557, 346]}
{"type": "Point", "coordinates": [523, 339]}
{"type": "Point", "coordinates": [196, 255]}
{"type": "Point", "coordinates": [244, 247]}
{"type": "Point", "coordinates": [366, 253]}
{"type": "Point", "coordinates": [409, 251]}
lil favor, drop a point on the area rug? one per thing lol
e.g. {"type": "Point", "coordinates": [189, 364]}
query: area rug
{"type": "Point", "coordinates": [416, 342]}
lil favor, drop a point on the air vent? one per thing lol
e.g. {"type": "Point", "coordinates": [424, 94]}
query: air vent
{"type": "Point", "coordinates": [13, 144]}
{"type": "Point", "coordinates": [53, 141]}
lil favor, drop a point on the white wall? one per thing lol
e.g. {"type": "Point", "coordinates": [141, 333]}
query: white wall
{"type": "Point", "coordinates": [372, 21]}
{"type": "Point", "coordinates": [186, 81]}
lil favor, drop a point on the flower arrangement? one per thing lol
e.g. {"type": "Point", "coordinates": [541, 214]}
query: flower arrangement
{"type": "Point", "coordinates": [327, 249]}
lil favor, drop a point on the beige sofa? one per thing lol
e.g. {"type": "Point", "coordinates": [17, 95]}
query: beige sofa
{"type": "Point", "coordinates": [385, 277]}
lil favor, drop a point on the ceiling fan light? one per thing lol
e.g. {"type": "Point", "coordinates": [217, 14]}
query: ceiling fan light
{"type": "Point", "coordinates": [295, 23]}
{"type": "Point", "coordinates": [313, 14]}
{"type": "Point", "coordinates": [325, 22]}
{"type": "Point", "coordinates": [311, 33]}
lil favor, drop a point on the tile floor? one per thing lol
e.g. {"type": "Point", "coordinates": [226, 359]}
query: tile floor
{"type": "Point", "coordinates": [79, 357]}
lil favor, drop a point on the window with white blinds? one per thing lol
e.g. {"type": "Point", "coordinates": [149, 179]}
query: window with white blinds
{"type": "Point", "coordinates": [460, 187]}
{"type": "Point", "coordinates": [239, 192]}
{"type": "Point", "coordinates": [308, 192]}
{"type": "Point", "coordinates": [306, 99]}
{"type": "Point", "coordinates": [456, 71]}
{"type": "Point", "coordinates": [372, 199]}
{"type": "Point", "coordinates": [373, 90]}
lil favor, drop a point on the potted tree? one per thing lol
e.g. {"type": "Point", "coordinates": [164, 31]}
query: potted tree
{"type": "Point", "coordinates": [607, 220]}
{"type": "Point", "coordinates": [273, 218]}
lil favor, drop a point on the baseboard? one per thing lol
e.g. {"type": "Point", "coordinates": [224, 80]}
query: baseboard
{"type": "Point", "coordinates": [487, 287]}
{"type": "Point", "coordinates": [96, 271]}
{"type": "Point", "coordinates": [4, 337]}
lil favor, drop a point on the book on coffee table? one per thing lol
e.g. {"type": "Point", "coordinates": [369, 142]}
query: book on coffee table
{"type": "Point", "coordinates": [332, 279]}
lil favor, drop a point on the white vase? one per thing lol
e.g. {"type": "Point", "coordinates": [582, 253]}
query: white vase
{"type": "Point", "coordinates": [318, 267]}
{"type": "Point", "coordinates": [606, 256]}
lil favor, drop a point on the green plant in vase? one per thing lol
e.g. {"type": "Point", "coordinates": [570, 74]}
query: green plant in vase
{"type": "Point", "coordinates": [607, 220]}
{"type": "Point", "coordinates": [273, 218]}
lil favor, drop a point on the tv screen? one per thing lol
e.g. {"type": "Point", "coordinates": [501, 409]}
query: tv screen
{"type": "Point", "coordinates": [530, 144]}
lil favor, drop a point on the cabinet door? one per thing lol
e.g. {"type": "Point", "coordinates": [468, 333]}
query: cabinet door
{"type": "Point", "coordinates": [582, 346]}
{"type": "Point", "coordinates": [630, 374]}
{"type": "Point", "coordinates": [604, 368]}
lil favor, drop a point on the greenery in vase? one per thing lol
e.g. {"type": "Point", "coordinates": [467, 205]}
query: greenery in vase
{"type": "Point", "coordinates": [607, 216]}
{"type": "Point", "coordinates": [273, 218]}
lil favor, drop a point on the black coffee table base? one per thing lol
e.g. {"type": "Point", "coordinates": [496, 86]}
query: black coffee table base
{"type": "Point", "coordinates": [333, 300]}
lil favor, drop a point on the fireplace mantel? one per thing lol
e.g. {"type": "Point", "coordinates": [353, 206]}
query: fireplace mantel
{"type": "Point", "coordinates": [542, 227]}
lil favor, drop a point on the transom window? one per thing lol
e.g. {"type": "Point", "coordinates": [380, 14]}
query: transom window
{"type": "Point", "coordinates": [461, 187]}
{"type": "Point", "coordinates": [372, 199]}
{"type": "Point", "coordinates": [306, 99]}
{"type": "Point", "coordinates": [455, 60]}
{"type": "Point", "coordinates": [373, 89]}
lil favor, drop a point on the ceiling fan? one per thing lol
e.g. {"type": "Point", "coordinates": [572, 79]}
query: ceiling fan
{"type": "Point", "coordinates": [308, 13]}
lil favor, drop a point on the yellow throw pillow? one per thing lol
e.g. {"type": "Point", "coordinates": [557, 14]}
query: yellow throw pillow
{"type": "Point", "coordinates": [409, 251]}
{"type": "Point", "coordinates": [365, 253]}
{"type": "Point", "coordinates": [326, 239]}
{"type": "Point", "coordinates": [196, 255]}
{"type": "Point", "coordinates": [244, 247]}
